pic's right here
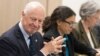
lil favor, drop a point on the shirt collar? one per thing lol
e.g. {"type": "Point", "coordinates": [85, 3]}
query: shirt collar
{"type": "Point", "coordinates": [23, 31]}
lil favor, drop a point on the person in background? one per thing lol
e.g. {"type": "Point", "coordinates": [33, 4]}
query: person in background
{"type": "Point", "coordinates": [90, 14]}
{"type": "Point", "coordinates": [61, 23]}
{"type": "Point", "coordinates": [96, 31]}
{"type": "Point", "coordinates": [23, 39]}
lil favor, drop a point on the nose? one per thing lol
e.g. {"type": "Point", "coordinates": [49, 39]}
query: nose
{"type": "Point", "coordinates": [73, 26]}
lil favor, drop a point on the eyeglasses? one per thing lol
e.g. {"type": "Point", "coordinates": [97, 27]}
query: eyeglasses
{"type": "Point", "coordinates": [70, 23]}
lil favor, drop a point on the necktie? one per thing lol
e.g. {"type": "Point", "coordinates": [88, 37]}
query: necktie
{"type": "Point", "coordinates": [66, 48]}
{"type": "Point", "coordinates": [31, 47]}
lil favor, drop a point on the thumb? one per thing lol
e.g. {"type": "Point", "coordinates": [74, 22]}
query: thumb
{"type": "Point", "coordinates": [45, 43]}
{"type": "Point", "coordinates": [52, 38]}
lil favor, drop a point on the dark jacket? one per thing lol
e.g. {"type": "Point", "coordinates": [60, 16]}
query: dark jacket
{"type": "Point", "coordinates": [74, 45]}
{"type": "Point", "coordinates": [96, 31]}
{"type": "Point", "coordinates": [82, 35]}
{"type": "Point", "coordinates": [12, 43]}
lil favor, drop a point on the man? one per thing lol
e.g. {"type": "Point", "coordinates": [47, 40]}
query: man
{"type": "Point", "coordinates": [17, 40]}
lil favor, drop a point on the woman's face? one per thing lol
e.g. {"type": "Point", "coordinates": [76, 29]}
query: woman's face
{"type": "Point", "coordinates": [66, 26]}
{"type": "Point", "coordinates": [93, 19]}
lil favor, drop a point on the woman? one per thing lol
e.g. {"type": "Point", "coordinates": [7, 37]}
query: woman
{"type": "Point", "coordinates": [90, 14]}
{"type": "Point", "coordinates": [61, 22]}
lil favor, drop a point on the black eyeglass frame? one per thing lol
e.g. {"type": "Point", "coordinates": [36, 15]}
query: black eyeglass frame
{"type": "Point", "coordinates": [71, 24]}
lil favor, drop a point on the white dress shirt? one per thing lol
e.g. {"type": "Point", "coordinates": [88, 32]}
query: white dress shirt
{"type": "Point", "coordinates": [26, 36]}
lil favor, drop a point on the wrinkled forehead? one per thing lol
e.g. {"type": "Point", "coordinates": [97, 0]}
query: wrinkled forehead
{"type": "Point", "coordinates": [37, 13]}
{"type": "Point", "coordinates": [33, 5]}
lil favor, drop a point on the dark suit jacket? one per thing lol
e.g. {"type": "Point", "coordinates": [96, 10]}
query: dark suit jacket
{"type": "Point", "coordinates": [74, 45]}
{"type": "Point", "coordinates": [12, 43]}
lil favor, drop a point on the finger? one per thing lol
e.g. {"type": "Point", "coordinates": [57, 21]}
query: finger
{"type": "Point", "coordinates": [52, 38]}
{"type": "Point", "coordinates": [58, 49]}
{"type": "Point", "coordinates": [64, 45]}
{"type": "Point", "coordinates": [59, 46]}
{"type": "Point", "coordinates": [97, 54]}
{"type": "Point", "coordinates": [61, 41]}
{"type": "Point", "coordinates": [45, 43]}
{"type": "Point", "coordinates": [58, 38]}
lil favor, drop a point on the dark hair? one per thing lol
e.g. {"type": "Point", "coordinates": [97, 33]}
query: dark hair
{"type": "Point", "coordinates": [46, 23]}
{"type": "Point", "coordinates": [60, 13]}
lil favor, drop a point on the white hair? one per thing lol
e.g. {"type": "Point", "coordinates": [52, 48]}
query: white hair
{"type": "Point", "coordinates": [89, 8]}
{"type": "Point", "coordinates": [32, 5]}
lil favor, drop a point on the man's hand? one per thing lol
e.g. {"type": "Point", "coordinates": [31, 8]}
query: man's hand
{"type": "Point", "coordinates": [54, 46]}
{"type": "Point", "coordinates": [57, 44]}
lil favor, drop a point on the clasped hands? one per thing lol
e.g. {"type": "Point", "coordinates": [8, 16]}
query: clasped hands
{"type": "Point", "coordinates": [54, 46]}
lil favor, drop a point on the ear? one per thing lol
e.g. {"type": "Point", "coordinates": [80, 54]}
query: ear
{"type": "Point", "coordinates": [23, 14]}
{"type": "Point", "coordinates": [58, 22]}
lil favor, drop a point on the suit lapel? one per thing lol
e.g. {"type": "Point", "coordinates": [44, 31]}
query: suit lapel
{"type": "Point", "coordinates": [83, 34]}
{"type": "Point", "coordinates": [21, 40]}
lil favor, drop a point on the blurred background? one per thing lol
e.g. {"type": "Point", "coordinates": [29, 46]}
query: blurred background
{"type": "Point", "coordinates": [10, 10]}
